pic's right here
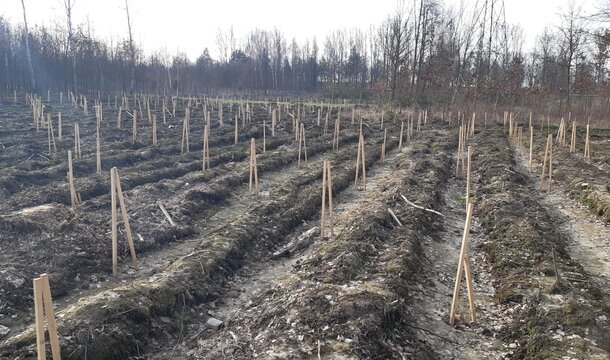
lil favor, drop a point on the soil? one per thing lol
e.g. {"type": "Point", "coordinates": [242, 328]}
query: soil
{"type": "Point", "coordinates": [376, 289]}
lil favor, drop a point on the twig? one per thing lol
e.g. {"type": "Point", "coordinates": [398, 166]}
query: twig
{"type": "Point", "coordinates": [420, 207]}
{"type": "Point", "coordinates": [171, 222]}
{"type": "Point", "coordinates": [394, 216]}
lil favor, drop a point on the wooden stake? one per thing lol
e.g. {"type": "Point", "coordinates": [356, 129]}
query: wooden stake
{"type": "Point", "coordinates": [206, 148]}
{"type": "Point", "coordinates": [59, 127]}
{"type": "Point", "coordinates": [253, 185]}
{"type": "Point", "coordinates": [470, 288]}
{"type": "Point", "coordinates": [236, 134]}
{"type": "Point", "coordinates": [531, 146]}
{"type": "Point", "coordinates": [274, 121]}
{"type": "Point", "coordinates": [573, 137]}
{"type": "Point", "coordinates": [550, 161]}
{"type": "Point", "coordinates": [116, 191]}
{"type": "Point", "coordinates": [385, 134]}
{"type": "Point", "coordinates": [323, 217]}
{"type": "Point", "coordinates": [327, 186]}
{"type": "Point", "coordinates": [134, 126]}
{"type": "Point", "coordinates": [468, 177]}
{"type": "Point", "coordinates": [98, 155]}
{"type": "Point", "coordinates": [358, 161]}
{"type": "Point", "coordinates": [459, 152]}
{"type": "Point", "coordinates": [114, 221]}
{"type": "Point", "coordinates": [50, 313]}
{"type": "Point", "coordinates": [304, 145]}
{"type": "Point", "coordinates": [336, 134]}
{"type": "Point", "coordinates": [185, 132]}
{"type": "Point", "coordinates": [402, 125]}
{"type": "Point", "coordinates": [461, 265]}
{"type": "Point", "coordinates": [154, 130]}
{"type": "Point", "coordinates": [51, 135]}
{"type": "Point", "coordinates": [73, 196]}
{"type": "Point", "coordinates": [76, 140]}
{"type": "Point", "coordinates": [264, 136]}
{"type": "Point", "coordinates": [549, 140]}
{"type": "Point", "coordinates": [39, 316]}
{"type": "Point", "coordinates": [587, 145]}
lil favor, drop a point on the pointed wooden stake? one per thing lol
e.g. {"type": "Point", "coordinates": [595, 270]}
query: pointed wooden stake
{"type": "Point", "coordinates": [43, 305]}
{"type": "Point", "coordinates": [185, 132]}
{"type": "Point", "coordinates": [463, 267]}
{"type": "Point", "coordinates": [116, 191]}
{"type": "Point", "coordinates": [304, 145]}
{"type": "Point", "coordinates": [360, 159]}
{"type": "Point", "coordinates": [327, 186]}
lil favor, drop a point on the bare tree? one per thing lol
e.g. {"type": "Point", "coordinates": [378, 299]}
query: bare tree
{"type": "Point", "coordinates": [572, 34]}
{"type": "Point", "coordinates": [27, 46]}
{"type": "Point", "coordinates": [68, 5]}
{"type": "Point", "coordinates": [132, 51]}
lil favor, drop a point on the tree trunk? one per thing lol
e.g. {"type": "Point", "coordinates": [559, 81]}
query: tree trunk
{"type": "Point", "coordinates": [27, 47]}
{"type": "Point", "coordinates": [131, 50]}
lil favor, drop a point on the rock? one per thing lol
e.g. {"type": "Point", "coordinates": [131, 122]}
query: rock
{"type": "Point", "coordinates": [214, 323]}
{"type": "Point", "coordinates": [4, 331]}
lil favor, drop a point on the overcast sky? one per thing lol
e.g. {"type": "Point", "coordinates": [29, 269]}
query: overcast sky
{"type": "Point", "coordinates": [191, 25]}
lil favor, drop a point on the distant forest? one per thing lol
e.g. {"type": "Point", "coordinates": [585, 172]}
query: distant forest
{"type": "Point", "coordinates": [424, 52]}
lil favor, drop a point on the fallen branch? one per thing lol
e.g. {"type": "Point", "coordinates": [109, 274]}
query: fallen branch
{"type": "Point", "coordinates": [421, 207]}
{"type": "Point", "coordinates": [171, 222]}
{"type": "Point", "coordinates": [394, 216]}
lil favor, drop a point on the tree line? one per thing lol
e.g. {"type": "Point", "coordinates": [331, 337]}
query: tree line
{"type": "Point", "coordinates": [423, 52]}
